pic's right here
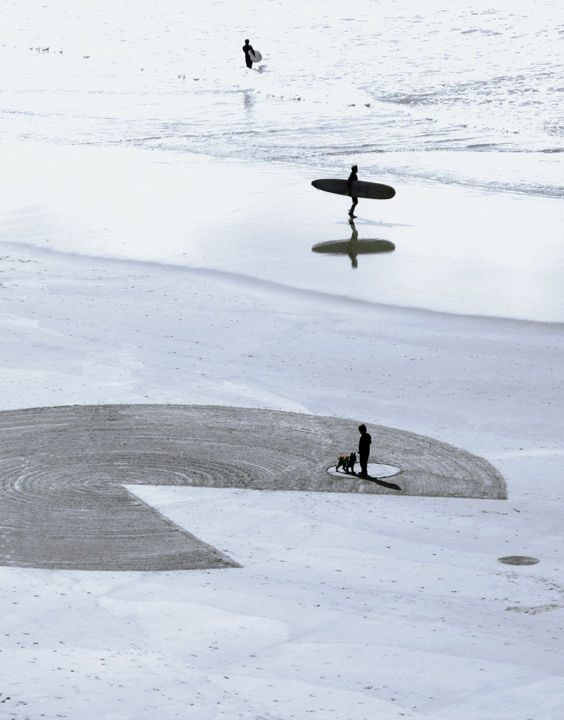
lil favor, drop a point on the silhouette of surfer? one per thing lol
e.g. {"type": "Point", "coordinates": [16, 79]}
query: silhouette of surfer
{"type": "Point", "coordinates": [352, 178]}
{"type": "Point", "coordinates": [363, 450]}
{"type": "Point", "coordinates": [248, 49]}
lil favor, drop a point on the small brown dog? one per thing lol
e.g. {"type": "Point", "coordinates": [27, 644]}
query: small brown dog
{"type": "Point", "coordinates": [347, 463]}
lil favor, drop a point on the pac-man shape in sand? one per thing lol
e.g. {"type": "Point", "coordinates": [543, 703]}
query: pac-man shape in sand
{"type": "Point", "coordinates": [63, 473]}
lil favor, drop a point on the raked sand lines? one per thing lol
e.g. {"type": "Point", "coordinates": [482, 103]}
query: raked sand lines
{"type": "Point", "coordinates": [63, 471]}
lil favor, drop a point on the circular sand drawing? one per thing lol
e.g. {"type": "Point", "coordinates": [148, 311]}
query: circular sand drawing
{"type": "Point", "coordinates": [518, 560]}
{"type": "Point", "coordinates": [64, 472]}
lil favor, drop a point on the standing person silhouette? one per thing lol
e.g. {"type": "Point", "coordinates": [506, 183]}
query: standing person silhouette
{"type": "Point", "coordinates": [248, 49]}
{"type": "Point", "coordinates": [352, 177]}
{"type": "Point", "coordinates": [363, 450]}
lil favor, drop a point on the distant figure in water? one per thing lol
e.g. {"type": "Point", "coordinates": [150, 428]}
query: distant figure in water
{"type": "Point", "coordinates": [352, 177]}
{"type": "Point", "coordinates": [248, 49]}
{"type": "Point", "coordinates": [363, 450]}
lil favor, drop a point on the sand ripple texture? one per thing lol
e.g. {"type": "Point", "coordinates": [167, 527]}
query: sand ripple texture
{"type": "Point", "coordinates": [63, 472]}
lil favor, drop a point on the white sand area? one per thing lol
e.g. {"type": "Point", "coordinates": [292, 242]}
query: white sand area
{"type": "Point", "coordinates": [347, 606]}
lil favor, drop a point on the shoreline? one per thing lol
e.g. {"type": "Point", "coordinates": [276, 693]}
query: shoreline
{"type": "Point", "coordinates": [91, 331]}
{"type": "Point", "coordinates": [236, 278]}
{"type": "Point", "coordinates": [458, 250]}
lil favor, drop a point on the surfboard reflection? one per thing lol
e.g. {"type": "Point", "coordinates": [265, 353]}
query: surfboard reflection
{"type": "Point", "coordinates": [354, 247]}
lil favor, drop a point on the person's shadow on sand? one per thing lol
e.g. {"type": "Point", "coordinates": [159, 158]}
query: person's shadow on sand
{"type": "Point", "coordinates": [378, 481]}
{"type": "Point", "coordinates": [383, 483]}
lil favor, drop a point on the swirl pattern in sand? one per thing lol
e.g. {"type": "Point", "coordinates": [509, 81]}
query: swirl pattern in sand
{"type": "Point", "coordinates": [64, 472]}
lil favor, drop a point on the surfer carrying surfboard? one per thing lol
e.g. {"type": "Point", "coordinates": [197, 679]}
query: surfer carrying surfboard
{"type": "Point", "coordinates": [248, 49]}
{"type": "Point", "coordinates": [353, 177]}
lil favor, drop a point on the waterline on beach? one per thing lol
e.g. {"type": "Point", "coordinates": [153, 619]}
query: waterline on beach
{"type": "Point", "coordinates": [456, 250]}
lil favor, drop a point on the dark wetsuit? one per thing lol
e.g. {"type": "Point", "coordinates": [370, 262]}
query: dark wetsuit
{"type": "Point", "coordinates": [352, 177]}
{"type": "Point", "coordinates": [364, 452]}
{"type": "Point", "coordinates": [248, 49]}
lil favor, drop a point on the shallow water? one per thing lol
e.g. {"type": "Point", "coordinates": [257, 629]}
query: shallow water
{"type": "Point", "coordinates": [445, 103]}
{"type": "Point", "coordinates": [459, 93]}
{"type": "Point", "coordinates": [455, 250]}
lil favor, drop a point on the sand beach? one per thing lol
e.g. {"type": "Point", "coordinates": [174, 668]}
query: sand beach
{"type": "Point", "coordinates": [128, 281]}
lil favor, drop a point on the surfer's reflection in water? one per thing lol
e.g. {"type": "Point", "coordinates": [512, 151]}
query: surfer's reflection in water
{"type": "Point", "coordinates": [353, 244]}
{"type": "Point", "coordinates": [248, 100]}
{"type": "Point", "coordinates": [354, 247]}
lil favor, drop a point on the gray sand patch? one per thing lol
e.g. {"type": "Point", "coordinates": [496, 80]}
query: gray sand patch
{"type": "Point", "coordinates": [518, 560]}
{"type": "Point", "coordinates": [63, 471]}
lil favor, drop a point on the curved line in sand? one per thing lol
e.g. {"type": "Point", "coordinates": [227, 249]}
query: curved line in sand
{"type": "Point", "coordinates": [63, 502]}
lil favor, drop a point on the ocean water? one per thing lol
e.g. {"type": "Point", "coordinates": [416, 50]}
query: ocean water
{"type": "Point", "coordinates": [458, 105]}
{"type": "Point", "coordinates": [461, 92]}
